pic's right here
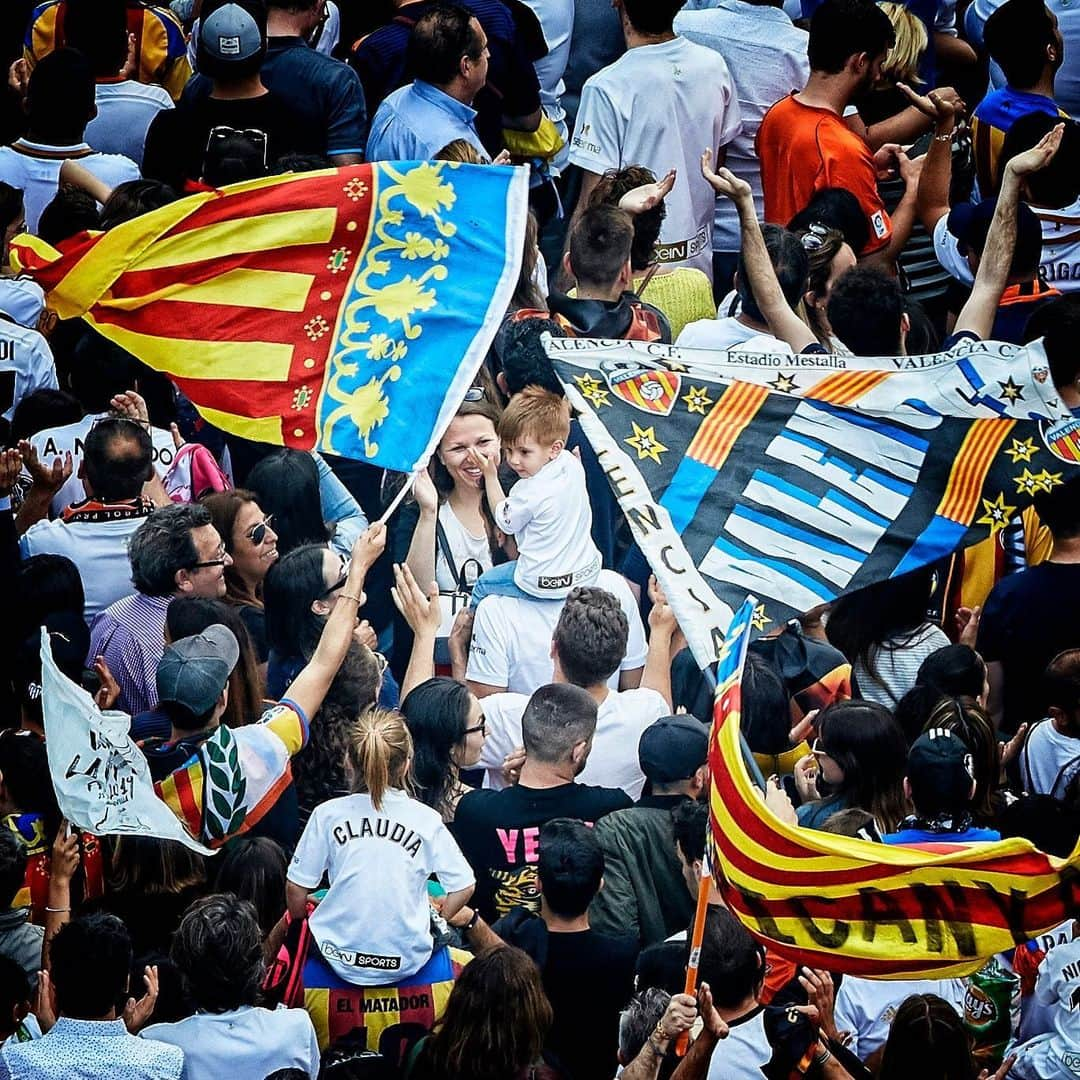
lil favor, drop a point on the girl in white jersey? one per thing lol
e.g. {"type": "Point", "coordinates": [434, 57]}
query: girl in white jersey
{"type": "Point", "coordinates": [377, 847]}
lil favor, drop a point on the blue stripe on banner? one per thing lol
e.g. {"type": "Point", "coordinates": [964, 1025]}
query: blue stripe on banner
{"type": "Point", "coordinates": [920, 406]}
{"type": "Point", "coordinates": [774, 482]}
{"type": "Point", "coordinates": [976, 381]}
{"type": "Point", "coordinates": [900, 435]}
{"type": "Point", "coordinates": [940, 537]}
{"type": "Point", "coordinates": [784, 568]}
{"type": "Point", "coordinates": [853, 506]}
{"type": "Point", "coordinates": [786, 528]}
{"type": "Point", "coordinates": [889, 481]}
{"type": "Point", "coordinates": [688, 487]}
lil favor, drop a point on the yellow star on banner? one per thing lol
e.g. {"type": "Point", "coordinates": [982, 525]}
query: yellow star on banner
{"type": "Point", "coordinates": [1022, 451]}
{"type": "Point", "coordinates": [1010, 391]}
{"type": "Point", "coordinates": [784, 383]}
{"type": "Point", "coordinates": [675, 365]}
{"type": "Point", "coordinates": [1027, 483]}
{"type": "Point", "coordinates": [997, 515]}
{"type": "Point", "coordinates": [1047, 480]}
{"type": "Point", "coordinates": [645, 442]}
{"type": "Point", "coordinates": [592, 390]}
{"type": "Point", "coordinates": [697, 399]}
{"type": "Point", "coordinates": [759, 620]}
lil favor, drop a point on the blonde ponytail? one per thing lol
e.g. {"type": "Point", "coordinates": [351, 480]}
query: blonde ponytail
{"type": "Point", "coordinates": [378, 753]}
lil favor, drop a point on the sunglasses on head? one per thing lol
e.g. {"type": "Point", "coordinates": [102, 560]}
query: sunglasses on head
{"type": "Point", "coordinates": [475, 393]}
{"type": "Point", "coordinates": [339, 584]}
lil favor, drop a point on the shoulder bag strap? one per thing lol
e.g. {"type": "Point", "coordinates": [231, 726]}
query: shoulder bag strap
{"type": "Point", "coordinates": [444, 547]}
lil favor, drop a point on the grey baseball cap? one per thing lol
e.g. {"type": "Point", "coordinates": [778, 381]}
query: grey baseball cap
{"type": "Point", "coordinates": [230, 34]}
{"type": "Point", "coordinates": [194, 670]}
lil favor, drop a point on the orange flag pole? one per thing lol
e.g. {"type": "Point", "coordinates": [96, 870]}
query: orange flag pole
{"type": "Point", "coordinates": [696, 937]}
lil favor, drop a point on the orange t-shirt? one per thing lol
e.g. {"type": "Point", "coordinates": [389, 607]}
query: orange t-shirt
{"type": "Point", "coordinates": [803, 149]}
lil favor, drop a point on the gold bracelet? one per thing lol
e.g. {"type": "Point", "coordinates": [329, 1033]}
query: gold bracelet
{"type": "Point", "coordinates": [944, 138]}
{"type": "Point", "coordinates": [349, 596]}
{"type": "Point", "coordinates": [659, 1031]}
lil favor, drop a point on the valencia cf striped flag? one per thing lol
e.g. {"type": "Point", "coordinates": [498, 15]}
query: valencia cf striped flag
{"type": "Point", "coordinates": [801, 478]}
{"type": "Point", "coordinates": [858, 907]}
{"type": "Point", "coordinates": [345, 310]}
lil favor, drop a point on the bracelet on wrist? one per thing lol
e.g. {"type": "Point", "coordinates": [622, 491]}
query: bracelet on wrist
{"type": "Point", "coordinates": [659, 1032]}
{"type": "Point", "coordinates": [472, 921]}
{"type": "Point", "coordinates": [824, 1056]}
{"type": "Point", "coordinates": [56, 910]}
{"type": "Point", "coordinates": [349, 596]}
{"type": "Point", "coordinates": [946, 136]}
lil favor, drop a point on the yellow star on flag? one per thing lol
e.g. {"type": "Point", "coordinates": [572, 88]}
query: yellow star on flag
{"type": "Point", "coordinates": [645, 442]}
{"type": "Point", "coordinates": [784, 383]}
{"type": "Point", "coordinates": [1010, 391]}
{"type": "Point", "coordinates": [1027, 483]}
{"type": "Point", "coordinates": [1021, 451]}
{"type": "Point", "coordinates": [996, 514]}
{"type": "Point", "coordinates": [697, 399]}
{"type": "Point", "coordinates": [759, 620]}
{"type": "Point", "coordinates": [592, 390]}
{"type": "Point", "coordinates": [1047, 480]}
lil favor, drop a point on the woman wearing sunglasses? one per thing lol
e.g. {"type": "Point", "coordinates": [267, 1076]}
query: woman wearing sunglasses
{"type": "Point", "coordinates": [857, 761]}
{"type": "Point", "coordinates": [251, 541]}
{"type": "Point", "coordinates": [448, 730]}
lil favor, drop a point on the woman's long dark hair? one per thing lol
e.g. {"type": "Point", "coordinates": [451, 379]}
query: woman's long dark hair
{"type": "Point", "coordinates": [927, 1038]}
{"type": "Point", "coordinates": [286, 484]}
{"type": "Point", "coordinates": [496, 1022]}
{"type": "Point", "coordinates": [437, 713]}
{"type": "Point", "coordinates": [867, 744]}
{"type": "Point", "coordinates": [295, 581]}
{"type": "Point", "coordinates": [864, 622]}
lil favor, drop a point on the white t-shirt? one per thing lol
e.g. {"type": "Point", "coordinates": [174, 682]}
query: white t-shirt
{"type": "Point", "coordinates": [22, 300]}
{"type": "Point", "coordinates": [511, 641]}
{"type": "Point", "coordinates": [897, 668]}
{"type": "Point", "coordinates": [866, 1007]}
{"type": "Point", "coordinates": [549, 516]}
{"type": "Point", "coordinates": [249, 1041]}
{"type": "Point", "coordinates": [35, 170]}
{"type": "Point", "coordinates": [56, 442]}
{"type": "Point", "coordinates": [660, 106]}
{"type": "Point", "coordinates": [1059, 264]}
{"type": "Point", "coordinates": [741, 1055]}
{"type": "Point", "coordinates": [726, 332]}
{"type": "Point", "coordinates": [26, 365]}
{"type": "Point", "coordinates": [463, 546]}
{"type": "Point", "coordinates": [97, 548]}
{"type": "Point", "coordinates": [557, 21]}
{"type": "Point", "coordinates": [1057, 992]}
{"type": "Point", "coordinates": [766, 56]}
{"type": "Point", "coordinates": [1049, 760]}
{"type": "Point", "coordinates": [373, 926]}
{"type": "Point", "coordinates": [613, 760]}
{"type": "Point", "coordinates": [125, 110]}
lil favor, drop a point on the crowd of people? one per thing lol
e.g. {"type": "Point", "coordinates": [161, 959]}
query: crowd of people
{"type": "Point", "coordinates": [469, 743]}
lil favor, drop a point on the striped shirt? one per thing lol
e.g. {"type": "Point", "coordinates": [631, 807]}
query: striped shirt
{"type": "Point", "coordinates": [130, 635]}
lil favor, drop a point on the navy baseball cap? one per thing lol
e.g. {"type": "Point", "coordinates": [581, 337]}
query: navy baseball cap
{"type": "Point", "coordinates": [673, 748]}
{"type": "Point", "coordinates": [970, 223]}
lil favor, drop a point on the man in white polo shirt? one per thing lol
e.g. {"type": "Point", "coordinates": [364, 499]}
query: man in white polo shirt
{"type": "Point", "coordinates": [660, 105]}
{"type": "Point", "coordinates": [587, 647]}
{"type": "Point", "coordinates": [59, 104]}
{"type": "Point", "coordinates": [511, 642]}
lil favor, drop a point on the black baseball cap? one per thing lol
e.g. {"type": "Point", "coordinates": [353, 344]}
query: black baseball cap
{"type": "Point", "coordinates": [970, 223]}
{"type": "Point", "coordinates": [941, 772]}
{"type": "Point", "coordinates": [673, 748]}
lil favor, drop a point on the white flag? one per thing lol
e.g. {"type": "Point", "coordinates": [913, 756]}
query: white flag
{"type": "Point", "coordinates": [101, 778]}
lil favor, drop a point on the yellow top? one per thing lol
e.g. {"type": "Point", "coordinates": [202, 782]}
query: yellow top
{"type": "Point", "coordinates": [683, 295]}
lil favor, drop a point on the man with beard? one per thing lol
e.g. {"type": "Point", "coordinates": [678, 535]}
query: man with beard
{"type": "Point", "coordinates": [803, 143]}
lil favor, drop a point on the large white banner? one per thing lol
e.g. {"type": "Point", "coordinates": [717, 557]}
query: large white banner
{"type": "Point", "coordinates": [101, 777]}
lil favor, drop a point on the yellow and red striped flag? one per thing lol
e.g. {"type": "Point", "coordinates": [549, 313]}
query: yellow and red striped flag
{"type": "Point", "coordinates": [344, 310]}
{"type": "Point", "coordinates": [858, 907]}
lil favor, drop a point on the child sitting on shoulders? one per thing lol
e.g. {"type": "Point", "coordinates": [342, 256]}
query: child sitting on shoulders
{"type": "Point", "coordinates": [548, 511]}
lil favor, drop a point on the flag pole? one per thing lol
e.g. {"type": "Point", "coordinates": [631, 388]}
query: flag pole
{"type": "Point", "coordinates": [696, 937]}
{"type": "Point", "coordinates": [397, 500]}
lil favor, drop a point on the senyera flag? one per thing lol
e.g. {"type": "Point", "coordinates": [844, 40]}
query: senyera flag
{"type": "Point", "coordinates": [345, 310]}
{"type": "Point", "coordinates": [858, 907]}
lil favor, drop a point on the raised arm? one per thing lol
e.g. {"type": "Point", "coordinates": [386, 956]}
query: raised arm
{"type": "Point", "coordinates": [977, 315]}
{"type": "Point", "coordinates": [783, 322]}
{"type": "Point", "coordinates": [932, 201]}
{"type": "Point", "coordinates": [309, 687]}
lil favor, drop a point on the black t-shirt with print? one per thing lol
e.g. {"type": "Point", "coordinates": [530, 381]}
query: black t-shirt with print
{"type": "Point", "coordinates": [499, 833]}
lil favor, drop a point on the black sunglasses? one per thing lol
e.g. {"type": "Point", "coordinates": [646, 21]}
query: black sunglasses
{"type": "Point", "coordinates": [257, 533]}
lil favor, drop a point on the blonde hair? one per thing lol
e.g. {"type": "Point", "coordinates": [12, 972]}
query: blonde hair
{"type": "Point", "coordinates": [538, 414]}
{"type": "Point", "coordinates": [902, 60]}
{"type": "Point", "coordinates": [460, 150]}
{"type": "Point", "coordinates": [378, 753]}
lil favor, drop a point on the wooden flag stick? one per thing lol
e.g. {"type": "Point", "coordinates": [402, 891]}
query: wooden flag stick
{"type": "Point", "coordinates": [698, 934]}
